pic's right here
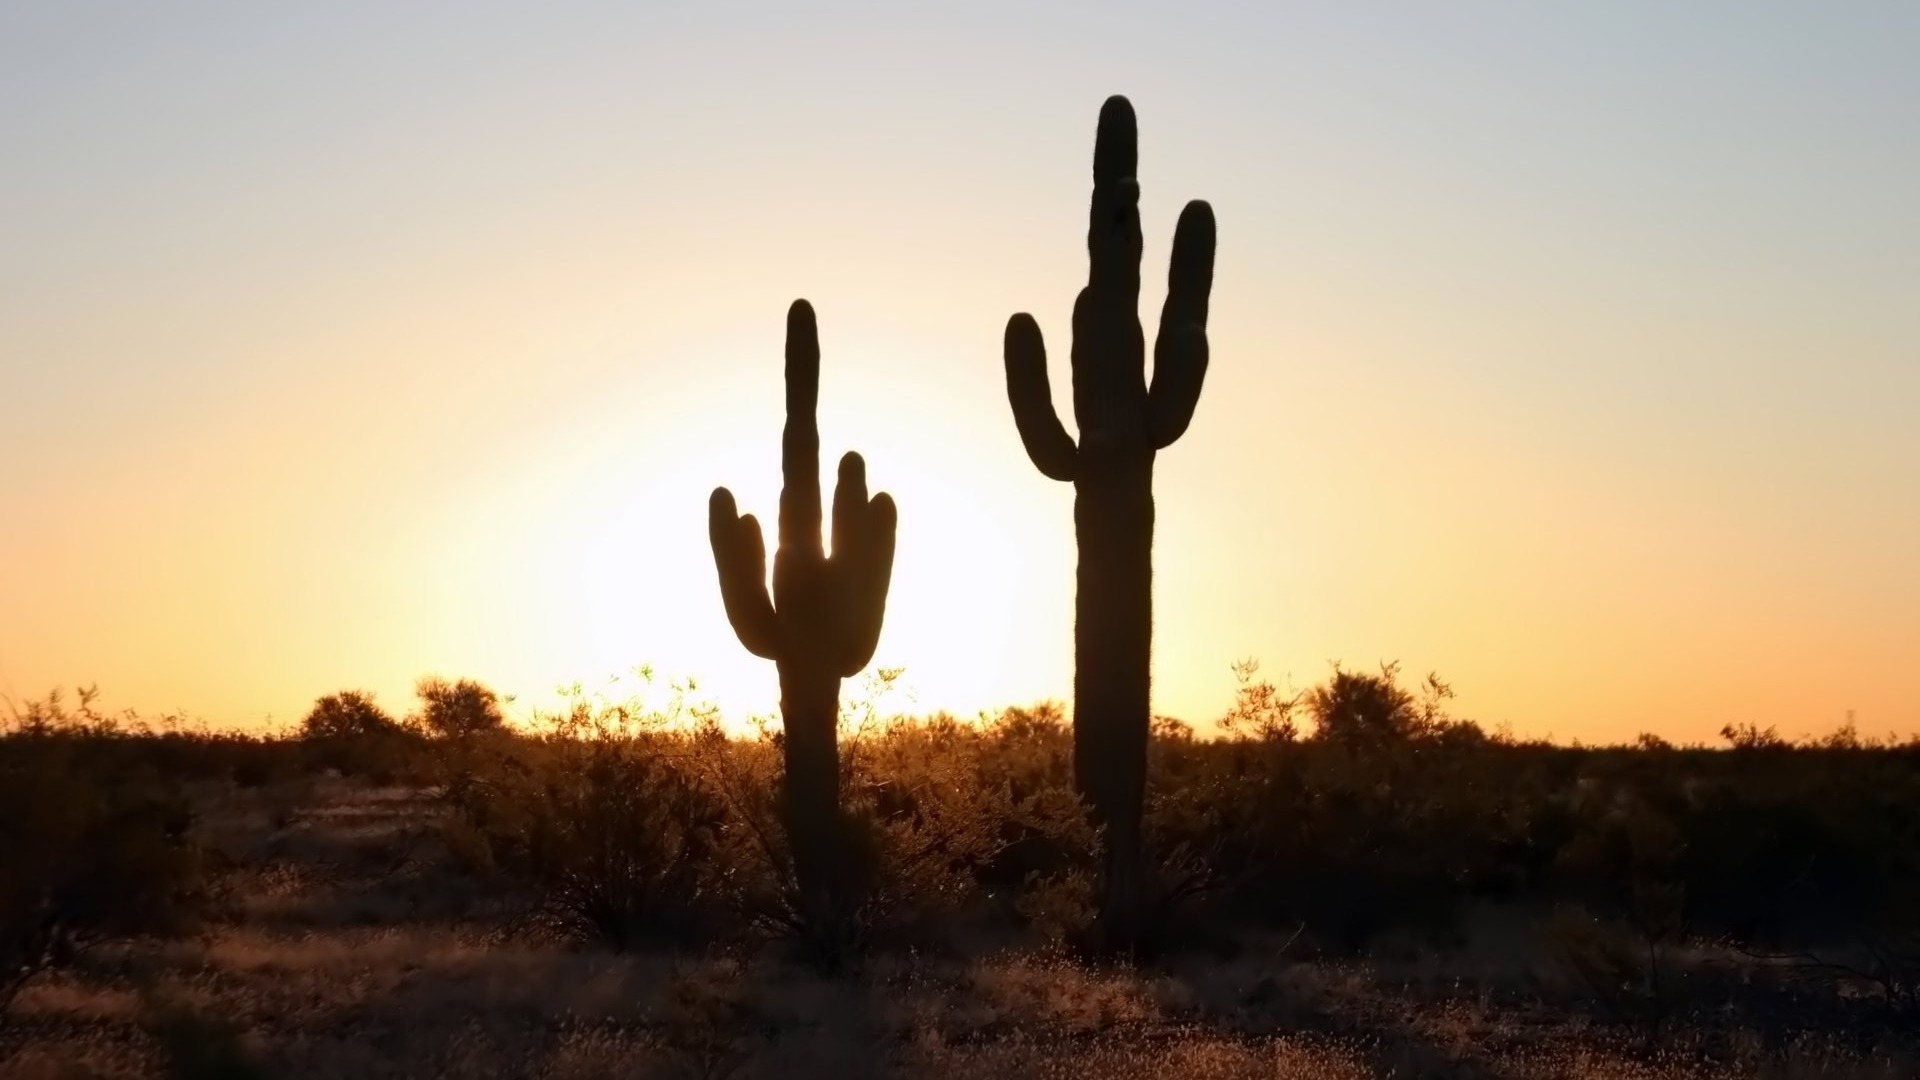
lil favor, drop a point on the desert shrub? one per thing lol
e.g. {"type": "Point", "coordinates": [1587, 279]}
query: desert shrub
{"type": "Point", "coordinates": [96, 842]}
{"type": "Point", "coordinates": [762, 887]}
{"type": "Point", "coordinates": [1045, 873]}
{"type": "Point", "coordinates": [600, 813]}
{"type": "Point", "coordinates": [1030, 751]}
{"type": "Point", "coordinates": [942, 814]}
{"type": "Point", "coordinates": [941, 821]}
{"type": "Point", "coordinates": [1215, 811]}
{"type": "Point", "coordinates": [174, 746]}
{"type": "Point", "coordinates": [347, 714]}
{"type": "Point", "coordinates": [1354, 812]}
{"type": "Point", "coordinates": [1362, 711]}
{"type": "Point", "coordinates": [1607, 963]}
{"type": "Point", "coordinates": [622, 843]}
{"type": "Point", "coordinates": [1389, 814]}
{"type": "Point", "coordinates": [1629, 867]}
{"type": "Point", "coordinates": [1261, 711]}
{"type": "Point", "coordinates": [1813, 853]}
{"type": "Point", "coordinates": [350, 733]}
{"type": "Point", "coordinates": [1753, 737]}
{"type": "Point", "coordinates": [457, 709]}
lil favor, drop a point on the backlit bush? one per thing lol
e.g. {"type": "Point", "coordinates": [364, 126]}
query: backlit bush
{"type": "Point", "coordinates": [94, 841]}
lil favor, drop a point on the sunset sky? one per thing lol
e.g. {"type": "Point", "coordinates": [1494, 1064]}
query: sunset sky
{"type": "Point", "coordinates": [1571, 353]}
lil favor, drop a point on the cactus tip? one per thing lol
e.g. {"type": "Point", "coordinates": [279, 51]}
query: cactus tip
{"type": "Point", "coordinates": [1116, 142]}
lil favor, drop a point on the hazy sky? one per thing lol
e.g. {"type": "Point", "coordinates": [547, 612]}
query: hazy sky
{"type": "Point", "coordinates": [1573, 353]}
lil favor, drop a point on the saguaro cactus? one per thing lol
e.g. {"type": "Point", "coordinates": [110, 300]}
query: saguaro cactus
{"type": "Point", "coordinates": [821, 622]}
{"type": "Point", "coordinates": [1123, 421]}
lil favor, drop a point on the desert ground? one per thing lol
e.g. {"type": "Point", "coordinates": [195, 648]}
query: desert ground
{"type": "Point", "coordinates": [362, 920]}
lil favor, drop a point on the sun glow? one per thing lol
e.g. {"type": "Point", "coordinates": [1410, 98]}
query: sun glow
{"type": "Point", "coordinates": [582, 551]}
{"type": "Point", "coordinates": [416, 347]}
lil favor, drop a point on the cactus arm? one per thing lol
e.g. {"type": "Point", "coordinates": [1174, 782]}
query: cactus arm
{"type": "Point", "coordinates": [740, 555]}
{"type": "Point", "coordinates": [1028, 390]}
{"type": "Point", "coordinates": [800, 441]}
{"type": "Point", "coordinates": [863, 578]}
{"type": "Point", "coordinates": [861, 566]}
{"type": "Point", "coordinates": [883, 520]}
{"type": "Point", "coordinates": [850, 509]}
{"type": "Point", "coordinates": [1180, 352]}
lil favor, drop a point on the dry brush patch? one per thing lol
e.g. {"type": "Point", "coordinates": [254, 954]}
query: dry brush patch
{"type": "Point", "coordinates": [1431, 904]}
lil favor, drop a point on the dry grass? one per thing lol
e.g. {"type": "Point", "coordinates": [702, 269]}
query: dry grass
{"type": "Point", "coordinates": [348, 942]}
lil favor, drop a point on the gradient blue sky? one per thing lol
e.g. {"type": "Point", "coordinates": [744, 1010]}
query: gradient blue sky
{"type": "Point", "coordinates": [1574, 353]}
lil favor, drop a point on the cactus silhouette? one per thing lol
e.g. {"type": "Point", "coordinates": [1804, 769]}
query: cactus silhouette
{"type": "Point", "coordinates": [822, 620]}
{"type": "Point", "coordinates": [1123, 421]}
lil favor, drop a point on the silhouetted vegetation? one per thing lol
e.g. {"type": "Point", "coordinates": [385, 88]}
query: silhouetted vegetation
{"type": "Point", "coordinates": [94, 838]}
{"type": "Point", "coordinates": [349, 714]}
{"type": "Point", "coordinates": [457, 709]}
{"type": "Point", "coordinates": [347, 731]}
{"type": "Point", "coordinates": [1668, 892]}
{"type": "Point", "coordinates": [820, 624]}
{"type": "Point", "coordinates": [1123, 422]}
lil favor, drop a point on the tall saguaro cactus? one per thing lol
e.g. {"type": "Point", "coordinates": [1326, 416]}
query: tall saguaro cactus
{"type": "Point", "coordinates": [1123, 422]}
{"type": "Point", "coordinates": [822, 620]}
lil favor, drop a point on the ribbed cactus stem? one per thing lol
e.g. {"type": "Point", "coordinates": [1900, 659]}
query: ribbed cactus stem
{"type": "Point", "coordinates": [822, 620]}
{"type": "Point", "coordinates": [1123, 422]}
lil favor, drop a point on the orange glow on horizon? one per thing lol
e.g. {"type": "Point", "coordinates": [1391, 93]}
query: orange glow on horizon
{"type": "Point", "coordinates": [1587, 384]}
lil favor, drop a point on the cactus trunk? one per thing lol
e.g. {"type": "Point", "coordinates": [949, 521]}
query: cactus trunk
{"type": "Point", "coordinates": [1123, 423]}
{"type": "Point", "coordinates": [820, 623]}
{"type": "Point", "coordinates": [1113, 637]}
{"type": "Point", "coordinates": [810, 787]}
